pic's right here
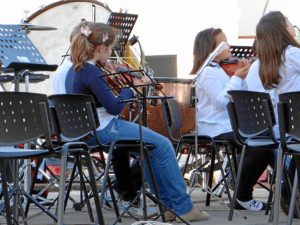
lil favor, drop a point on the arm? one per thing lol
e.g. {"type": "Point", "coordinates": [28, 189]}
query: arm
{"type": "Point", "coordinates": [111, 103]}
{"type": "Point", "coordinates": [215, 86]}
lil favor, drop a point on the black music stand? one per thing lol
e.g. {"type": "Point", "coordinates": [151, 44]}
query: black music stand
{"type": "Point", "coordinates": [17, 53]}
{"type": "Point", "coordinates": [246, 52]}
{"type": "Point", "coordinates": [123, 23]}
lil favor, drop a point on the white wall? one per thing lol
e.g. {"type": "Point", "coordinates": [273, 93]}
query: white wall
{"type": "Point", "coordinates": [252, 10]}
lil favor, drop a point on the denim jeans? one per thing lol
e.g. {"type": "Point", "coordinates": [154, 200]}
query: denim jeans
{"type": "Point", "coordinates": [170, 182]}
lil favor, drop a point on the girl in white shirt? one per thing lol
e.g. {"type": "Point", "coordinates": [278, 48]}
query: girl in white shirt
{"type": "Point", "coordinates": [277, 70]}
{"type": "Point", "coordinates": [213, 120]}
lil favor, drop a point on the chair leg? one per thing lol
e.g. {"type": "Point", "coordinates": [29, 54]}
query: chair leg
{"type": "Point", "coordinates": [293, 199]}
{"type": "Point", "coordinates": [94, 190]}
{"type": "Point", "coordinates": [38, 164]}
{"type": "Point", "coordinates": [62, 185]}
{"type": "Point", "coordinates": [178, 147]}
{"type": "Point", "coordinates": [270, 196]}
{"type": "Point", "coordinates": [211, 174]}
{"type": "Point", "coordinates": [231, 161]}
{"type": "Point", "coordinates": [237, 183]}
{"type": "Point", "coordinates": [234, 163]}
{"type": "Point", "coordinates": [84, 189]}
{"type": "Point", "coordinates": [224, 179]}
{"type": "Point", "coordinates": [69, 188]}
{"type": "Point", "coordinates": [187, 161]}
{"type": "Point", "coordinates": [5, 193]}
{"type": "Point", "coordinates": [274, 216]}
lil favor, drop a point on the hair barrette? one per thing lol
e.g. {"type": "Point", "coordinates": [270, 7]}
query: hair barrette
{"type": "Point", "coordinates": [86, 31]}
{"type": "Point", "coordinates": [104, 37]}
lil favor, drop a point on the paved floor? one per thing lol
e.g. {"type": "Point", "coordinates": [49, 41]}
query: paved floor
{"type": "Point", "coordinates": [218, 213]}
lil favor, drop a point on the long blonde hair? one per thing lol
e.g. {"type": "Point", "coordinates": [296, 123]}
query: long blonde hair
{"type": "Point", "coordinates": [84, 42]}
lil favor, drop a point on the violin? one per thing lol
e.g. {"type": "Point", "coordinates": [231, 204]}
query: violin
{"type": "Point", "coordinates": [231, 65]}
{"type": "Point", "coordinates": [116, 78]}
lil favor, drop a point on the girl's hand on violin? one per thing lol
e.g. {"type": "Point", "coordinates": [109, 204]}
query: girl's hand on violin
{"type": "Point", "coordinates": [243, 71]}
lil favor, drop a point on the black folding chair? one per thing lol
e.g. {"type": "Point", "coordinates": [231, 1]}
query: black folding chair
{"type": "Point", "coordinates": [252, 119]}
{"type": "Point", "coordinates": [206, 144]}
{"type": "Point", "coordinates": [72, 115]}
{"type": "Point", "coordinates": [82, 107]}
{"type": "Point", "coordinates": [289, 127]}
{"type": "Point", "coordinates": [24, 117]}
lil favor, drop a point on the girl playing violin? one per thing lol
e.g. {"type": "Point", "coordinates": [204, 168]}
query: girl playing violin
{"type": "Point", "coordinates": [94, 44]}
{"type": "Point", "coordinates": [213, 120]}
{"type": "Point", "coordinates": [128, 183]}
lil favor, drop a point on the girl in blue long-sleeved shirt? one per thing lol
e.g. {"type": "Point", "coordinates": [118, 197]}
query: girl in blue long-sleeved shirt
{"type": "Point", "coordinates": [94, 45]}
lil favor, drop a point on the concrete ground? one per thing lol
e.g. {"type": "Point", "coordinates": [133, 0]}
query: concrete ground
{"type": "Point", "coordinates": [218, 211]}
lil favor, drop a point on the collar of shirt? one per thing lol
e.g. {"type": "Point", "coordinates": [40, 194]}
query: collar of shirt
{"type": "Point", "coordinates": [91, 62]}
{"type": "Point", "coordinates": [214, 64]}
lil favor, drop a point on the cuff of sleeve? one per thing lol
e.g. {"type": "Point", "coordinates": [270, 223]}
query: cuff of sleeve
{"type": "Point", "coordinates": [133, 91]}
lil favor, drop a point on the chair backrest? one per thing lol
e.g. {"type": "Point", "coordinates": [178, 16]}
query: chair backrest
{"type": "Point", "coordinates": [173, 117]}
{"type": "Point", "coordinates": [76, 115]}
{"type": "Point", "coordinates": [289, 115]}
{"type": "Point", "coordinates": [251, 114]}
{"type": "Point", "coordinates": [24, 117]}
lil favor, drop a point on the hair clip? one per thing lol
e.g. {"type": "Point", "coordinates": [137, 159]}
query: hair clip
{"type": "Point", "coordinates": [85, 30]}
{"type": "Point", "coordinates": [215, 30]}
{"type": "Point", "coordinates": [104, 37]}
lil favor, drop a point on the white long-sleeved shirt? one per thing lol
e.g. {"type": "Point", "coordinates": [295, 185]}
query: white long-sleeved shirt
{"type": "Point", "coordinates": [211, 90]}
{"type": "Point", "coordinates": [289, 72]}
{"type": "Point", "coordinates": [59, 77]}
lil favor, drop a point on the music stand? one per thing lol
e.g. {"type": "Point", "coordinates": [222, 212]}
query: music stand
{"type": "Point", "coordinates": [17, 53]}
{"type": "Point", "coordinates": [245, 52]}
{"type": "Point", "coordinates": [123, 23]}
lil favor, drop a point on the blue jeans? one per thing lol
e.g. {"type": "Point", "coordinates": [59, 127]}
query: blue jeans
{"type": "Point", "coordinates": [171, 185]}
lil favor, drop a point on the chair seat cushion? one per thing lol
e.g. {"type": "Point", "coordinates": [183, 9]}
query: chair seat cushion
{"type": "Point", "coordinates": [11, 152]}
{"type": "Point", "coordinates": [294, 148]}
{"type": "Point", "coordinates": [260, 142]}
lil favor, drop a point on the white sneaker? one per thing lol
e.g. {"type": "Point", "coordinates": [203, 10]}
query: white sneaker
{"type": "Point", "coordinates": [252, 205]}
{"type": "Point", "coordinates": [136, 209]}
